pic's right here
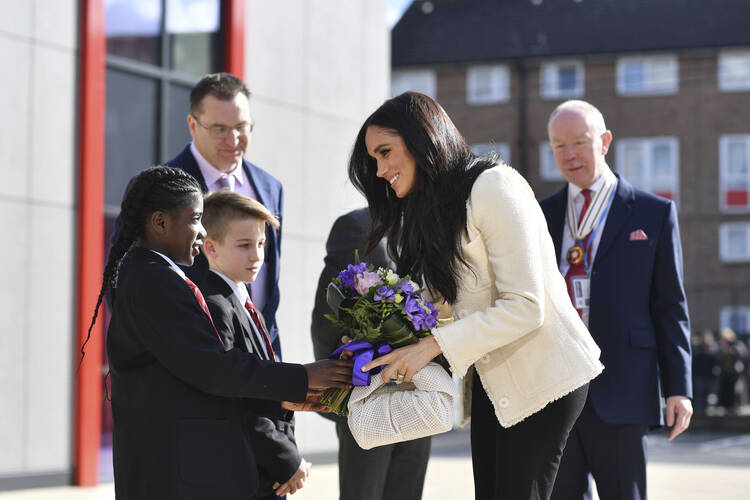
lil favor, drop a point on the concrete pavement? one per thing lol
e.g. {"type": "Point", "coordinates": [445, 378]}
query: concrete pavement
{"type": "Point", "coordinates": [699, 465]}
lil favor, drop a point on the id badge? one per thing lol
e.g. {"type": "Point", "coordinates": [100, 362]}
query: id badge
{"type": "Point", "coordinates": [581, 289]}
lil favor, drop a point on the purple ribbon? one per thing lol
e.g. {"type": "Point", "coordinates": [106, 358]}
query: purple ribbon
{"type": "Point", "coordinates": [364, 352]}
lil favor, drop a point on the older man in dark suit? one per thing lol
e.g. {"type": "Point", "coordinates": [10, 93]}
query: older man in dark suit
{"type": "Point", "coordinates": [387, 472]}
{"type": "Point", "coordinates": [619, 250]}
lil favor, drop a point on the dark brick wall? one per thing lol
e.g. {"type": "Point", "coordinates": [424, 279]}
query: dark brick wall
{"type": "Point", "coordinates": [698, 114]}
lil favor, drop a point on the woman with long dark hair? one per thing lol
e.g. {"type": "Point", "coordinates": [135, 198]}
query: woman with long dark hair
{"type": "Point", "coordinates": [471, 228]}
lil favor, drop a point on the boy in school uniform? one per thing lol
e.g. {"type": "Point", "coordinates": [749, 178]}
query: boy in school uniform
{"type": "Point", "coordinates": [234, 246]}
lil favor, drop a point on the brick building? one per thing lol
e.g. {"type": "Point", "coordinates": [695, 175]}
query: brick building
{"type": "Point", "coordinates": [672, 78]}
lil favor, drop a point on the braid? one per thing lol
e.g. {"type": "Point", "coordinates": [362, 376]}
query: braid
{"type": "Point", "coordinates": [156, 188]}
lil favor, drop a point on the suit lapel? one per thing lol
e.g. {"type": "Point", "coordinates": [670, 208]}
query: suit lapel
{"type": "Point", "coordinates": [190, 165]}
{"type": "Point", "coordinates": [260, 187]}
{"type": "Point", "coordinates": [619, 212]}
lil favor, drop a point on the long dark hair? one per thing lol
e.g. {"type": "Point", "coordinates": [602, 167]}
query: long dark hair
{"type": "Point", "coordinates": [156, 188]}
{"type": "Point", "coordinates": [424, 228]}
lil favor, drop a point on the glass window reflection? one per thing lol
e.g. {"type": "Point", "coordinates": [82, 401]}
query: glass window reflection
{"type": "Point", "coordinates": [133, 29]}
{"type": "Point", "coordinates": [193, 28]}
{"type": "Point", "coordinates": [131, 132]}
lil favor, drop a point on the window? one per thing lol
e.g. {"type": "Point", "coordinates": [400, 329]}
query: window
{"type": "Point", "coordinates": [156, 51]}
{"type": "Point", "coordinates": [734, 71]}
{"type": "Point", "coordinates": [417, 80]}
{"type": "Point", "coordinates": [562, 79]}
{"type": "Point", "coordinates": [734, 173]}
{"type": "Point", "coordinates": [648, 75]}
{"type": "Point", "coordinates": [487, 84]}
{"type": "Point", "coordinates": [735, 317]}
{"type": "Point", "coordinates": [651, 164]}
{"type": "Point", "coordinates": [734, 242]}
{"type": "Point", "coordinates": [548, 170]}
{"type": "Point", "coordinates": [501, 148]}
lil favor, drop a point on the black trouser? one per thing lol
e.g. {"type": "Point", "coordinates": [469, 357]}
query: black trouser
{"type": "Point", "coordinates": [519, 462]}
{"type": "Point", "coordinates": [614, 454]}
{"type": "Point", "coordinates": [391, 472]}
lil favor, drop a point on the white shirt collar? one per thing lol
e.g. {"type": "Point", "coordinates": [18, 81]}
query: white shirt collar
{"type": "Point", "coordinates": [171, 263]}
{"type": "Point", "coordinates": [239, 291]}
{"type": "Point", "coordinates": [604, 181]}
{"type": "Point", "coordinates": [210, 173]}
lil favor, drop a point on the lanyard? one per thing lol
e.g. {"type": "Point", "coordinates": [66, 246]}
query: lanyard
{"type": "Point", "coordinates": [596, 230]}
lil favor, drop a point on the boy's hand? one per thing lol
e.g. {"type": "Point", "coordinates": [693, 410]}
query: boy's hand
{"type": "Point", "coordinates": [311, 403]}
{"type": "Point", "coordinates": [296, 482]}
{"type": "Point", "coordinates": [329, 373]}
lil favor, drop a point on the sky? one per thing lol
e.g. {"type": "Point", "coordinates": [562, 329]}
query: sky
{"type": "Point", "coordinates": [395, 9]}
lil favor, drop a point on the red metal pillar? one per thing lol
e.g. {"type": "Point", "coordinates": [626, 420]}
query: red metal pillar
{"type": "Point", "coordinates": [90, 237]}
{"type": "Point", "coordinates": [234, 37]}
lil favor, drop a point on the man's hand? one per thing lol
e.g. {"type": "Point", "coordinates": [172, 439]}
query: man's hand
{"type": "Point", "coordinates": [296, 482]}
{"type": "Point", "coordinates": [681, 406]}
{"type": "Point", "coordinates": [311, 403]}
{"type": "Point", "coordinates": [329, 373]}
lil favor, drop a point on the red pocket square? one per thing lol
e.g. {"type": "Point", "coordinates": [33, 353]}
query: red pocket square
{"type": "Point", "coordinates": [638, 235]}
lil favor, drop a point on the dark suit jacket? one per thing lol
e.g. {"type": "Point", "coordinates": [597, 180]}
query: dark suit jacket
{"type": "Point", "coordinates": [271, 195]}
{"type": "Point", "coordinates": [178, 428]}
{"type": "Point", "coordinates": [272, 439]}
{"type": "Point", "coordinates": [349, 233]}
{"type": "Point", "coordinates": [638, 311]}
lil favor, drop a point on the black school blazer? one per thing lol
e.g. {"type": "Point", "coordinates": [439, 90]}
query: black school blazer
{"type": "Point", "coordinates": [178, 430]}
{"type": "Point", "coordinates": [272, 439]}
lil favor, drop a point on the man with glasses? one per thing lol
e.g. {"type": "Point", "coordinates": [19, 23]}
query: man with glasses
{"type": "Point", "coordinates": [221, 126]}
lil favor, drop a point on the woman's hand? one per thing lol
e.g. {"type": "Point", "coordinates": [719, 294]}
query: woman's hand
{"type": "Point", "coordinates": [404, 362]}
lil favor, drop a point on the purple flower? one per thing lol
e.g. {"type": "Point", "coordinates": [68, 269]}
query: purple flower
{"type": "Point", "coordinates": [384, 293]}
{"type": "Point", "coordinates": [366, 280]}
{"type": "Point", "coordinates": [411, 306]}
{"type": "Point", "coordinates": [348, 275]}
{"type": "Point", "coordinates": [406, 287]}
{"type": "Point", "coordinates": [346, 278]}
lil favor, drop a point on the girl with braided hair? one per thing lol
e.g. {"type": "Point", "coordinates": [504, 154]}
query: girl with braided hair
{"type": "Point", "coordinates": [178, 398]}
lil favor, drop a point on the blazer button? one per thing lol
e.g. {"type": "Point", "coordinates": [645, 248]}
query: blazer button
{"type": "Point", "coordinates": [503, 402]}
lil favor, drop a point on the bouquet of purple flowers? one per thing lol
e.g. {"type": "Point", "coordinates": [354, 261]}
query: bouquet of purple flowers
{"type": "Point", "coordinates": [379, 311]}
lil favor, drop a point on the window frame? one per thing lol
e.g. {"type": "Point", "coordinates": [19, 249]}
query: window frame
{"type": "Point", "coordinates": [166, 78]}
{"type": "Point", "coordinates": [431, 78]}
{"type": "Point", "coordinates": [499, 89]}
{"type": "Point", "coordinates": [724, 142]}
{"type": "Point", "coordinates": [649, 88]}
{"type": "Point", "coordinates": [647, 147]}
{"type": "Point", "coordinates": [721, 63]}
{"type": "Point", "coordinates": [548, 171]}
{"type": "Point", "coordinates": [725, 314]}
{"type": "Point", "coordinates": [549, 73]}
{"type": "Point", "coordinates": [724, 229]}
{"type": "Point", "coordinates": [501, 148]}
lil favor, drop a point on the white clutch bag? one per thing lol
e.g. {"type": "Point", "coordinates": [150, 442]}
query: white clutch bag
{"type": "Point", "coordinates": [381, 414]}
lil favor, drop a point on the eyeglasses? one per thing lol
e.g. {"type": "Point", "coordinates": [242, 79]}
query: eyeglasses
{"type": "Point", "coordinates": [223, 131]}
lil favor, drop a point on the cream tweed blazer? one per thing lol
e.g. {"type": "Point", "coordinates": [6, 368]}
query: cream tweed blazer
{"type": "Point", "coordinates": [513, 319]}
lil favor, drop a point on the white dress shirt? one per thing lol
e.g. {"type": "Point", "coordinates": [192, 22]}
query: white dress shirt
{"type": "Point", "coordinates": [574, 194]}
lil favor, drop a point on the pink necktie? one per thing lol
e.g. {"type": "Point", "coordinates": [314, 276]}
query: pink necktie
{"type": "Point", "coordinates": [579, 269]}
{"type": "Point", "coordinates": [262, 329]}
{"type": "Point", "coordinates": [224, 183]}
{"type": "Point", "coordinates": [204, 306]}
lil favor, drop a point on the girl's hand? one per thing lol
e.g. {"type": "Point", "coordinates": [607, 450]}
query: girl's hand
{"type": "Point", "coordinates": [346, 354]}
{"type": "Point", "coordinates": [404, 362]}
